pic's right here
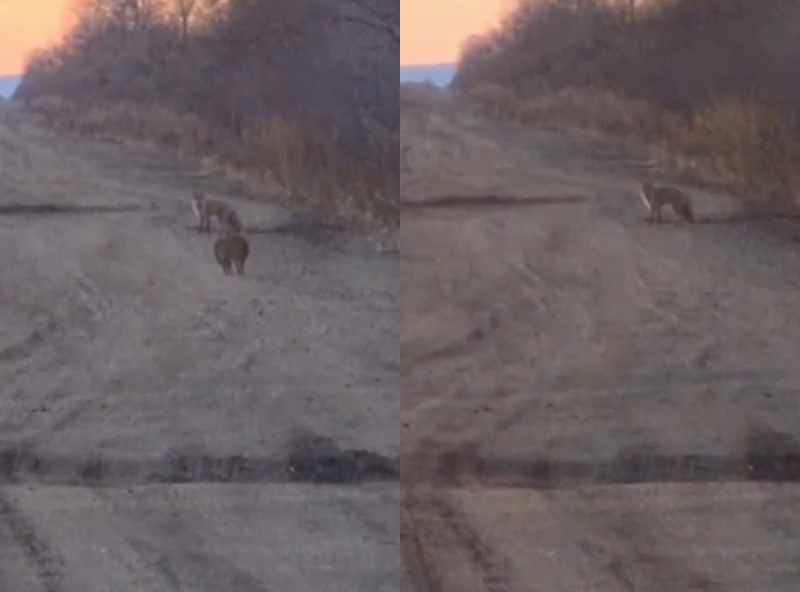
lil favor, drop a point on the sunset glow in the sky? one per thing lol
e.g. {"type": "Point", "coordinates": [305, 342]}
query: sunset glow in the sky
{"type": "Point", "coordinates": [26, 25]}
{"type": "Point", "coordinates": [432, 31]}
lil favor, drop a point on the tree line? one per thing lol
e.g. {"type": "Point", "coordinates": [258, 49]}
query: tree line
{"type": "Point", "coordinates": [328, 69]}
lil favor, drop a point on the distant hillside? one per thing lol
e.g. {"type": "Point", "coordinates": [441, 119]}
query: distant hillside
{"type": "Point", "coordinates": [8, 84]}
{"type": "Point", "coordinates": [438, 74]}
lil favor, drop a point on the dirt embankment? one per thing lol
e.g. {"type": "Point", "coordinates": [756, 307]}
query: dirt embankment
{"type": "Point", "coordinates": [588, 402]}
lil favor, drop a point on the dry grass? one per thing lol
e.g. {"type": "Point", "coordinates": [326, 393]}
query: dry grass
{"type": "Point", "coordinates": [275, 151]}
{"type": "Point", "coordinates": [419, 94]}
{"type": "Point", "coordinates": [737, 144]}
{"type": "Point", "coordinates": [744, 145]}
{"type": "Point", "coordinates": [124, 120]}
{"type": "Point", "coordinates": [601, 110]}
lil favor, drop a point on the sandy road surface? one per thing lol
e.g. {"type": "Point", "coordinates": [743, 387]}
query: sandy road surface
{"type": "Point", "coordinates": [588, 402]}
{"type": "Point", "coordinates": [129, 361]}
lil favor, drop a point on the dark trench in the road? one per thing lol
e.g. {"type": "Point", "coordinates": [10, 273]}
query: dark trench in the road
{"type": "Point", "coordinates": [18, 209]}
{"type": "Point", "coordinates": [492, 201]}
{"type": "Point", "coordinates": [766, 456]}
{"type": "Point", "coordinates": [309, 460]}
{"type": "Point", "coordinates": [633, 469]}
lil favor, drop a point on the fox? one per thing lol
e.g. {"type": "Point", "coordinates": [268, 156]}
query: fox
{"type": "Point", "coordinates": [655, 197]}
{"type": "Point", "coordinates": [205, 209]}
{"type": "Point", "coordinates": [231, 251]}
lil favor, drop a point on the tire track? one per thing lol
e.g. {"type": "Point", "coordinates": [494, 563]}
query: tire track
{"type": "Point", "coordinates": [457, 348]}
{"type": "Point", "coordinates": [632, 551]}
{"type": "Point", "coordinates": [415, 542]}
{"type": "Point", "coordinates": [27, 346]}
{"type": "Point", "coordinates": [435, 533]}
{"type": "Point", "coordinates": [47, 565]}
{"type": "Point", "coordinates": [490, 568]}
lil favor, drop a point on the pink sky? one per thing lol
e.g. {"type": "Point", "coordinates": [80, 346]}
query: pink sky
{"type": "Point", "coordinates": [26, 25]}
{"type": "Point", "coordinates": [432, 31]}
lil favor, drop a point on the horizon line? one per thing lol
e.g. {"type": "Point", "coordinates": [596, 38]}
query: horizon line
{"type": "Point", "coordinates": [429, 64]}
{"type": "Point", "coordinates": [413, 65]}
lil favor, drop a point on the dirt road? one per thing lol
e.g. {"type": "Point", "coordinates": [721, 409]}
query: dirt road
{"type": "Point", "coordinates": [588, 402]}
{"type": "Point", "coordinates": [164, 427]}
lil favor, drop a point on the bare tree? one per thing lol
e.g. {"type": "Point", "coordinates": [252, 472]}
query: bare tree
{"type": "Point", "coordinates": [184, 10]}
{"type": "Point", "coordinates": [380, 15]}
{"type": "Point", "coordinates": [128, 15]}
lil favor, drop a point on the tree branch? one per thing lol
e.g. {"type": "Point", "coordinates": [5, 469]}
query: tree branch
{"type": "Point", "coordinates": [391, 30]}
{"type": "Point", "coordinates": [374, 19]}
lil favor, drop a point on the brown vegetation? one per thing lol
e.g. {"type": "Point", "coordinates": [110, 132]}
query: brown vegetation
{"type": "Point", "coordinates": [302, 92]}
{"type": "Point", "coordinates": [707, 81]}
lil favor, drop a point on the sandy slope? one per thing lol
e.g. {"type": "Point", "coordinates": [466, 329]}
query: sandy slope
{"type": "Point", "coordinates": [126, 353]}
{"type": "Point", "coordinates": [543, 346]}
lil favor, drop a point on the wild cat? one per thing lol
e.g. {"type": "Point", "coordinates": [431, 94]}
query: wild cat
{"type": "Point", "coordinates": [205, 209]}
{"type": "Point", "coordinates": [231, 252]}
{"type": "Point", "coordinates": [655, 198]}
